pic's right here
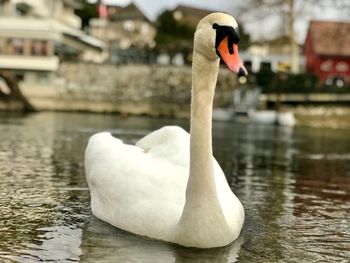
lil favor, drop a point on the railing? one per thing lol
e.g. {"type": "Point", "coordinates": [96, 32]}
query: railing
{"type": "Point", "coordinates": [307, 98]}
{"type": "Point", "coordinates": [18, 62]}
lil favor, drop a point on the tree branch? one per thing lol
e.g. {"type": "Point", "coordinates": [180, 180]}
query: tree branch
{"type": "Point", "coordinates": [16, 93]}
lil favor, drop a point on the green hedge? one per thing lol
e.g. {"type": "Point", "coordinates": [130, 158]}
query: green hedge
{"type": "Point", "coordinates": [271, 82]}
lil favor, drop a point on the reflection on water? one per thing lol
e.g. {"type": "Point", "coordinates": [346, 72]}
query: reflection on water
{"type": "Point", "coordinates": [109, 244]}
{"type": "Point", "coordinates": [294, 184]}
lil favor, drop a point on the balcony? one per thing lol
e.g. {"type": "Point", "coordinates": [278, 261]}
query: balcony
{"type": "Point", "coordinates": [39, 63]}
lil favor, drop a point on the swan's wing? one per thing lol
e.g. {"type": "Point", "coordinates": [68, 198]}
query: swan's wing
{"type": "Point", "coordinates": [132, 188]}
{"type": "Point", "coordinates": [170, 143]}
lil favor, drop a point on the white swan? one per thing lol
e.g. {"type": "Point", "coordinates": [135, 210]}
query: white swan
{"type": "Point", "coordinates": [168, 186]}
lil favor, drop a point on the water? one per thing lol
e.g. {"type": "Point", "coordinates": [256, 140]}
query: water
{"type": "Point", "coordinates": [294, 185]}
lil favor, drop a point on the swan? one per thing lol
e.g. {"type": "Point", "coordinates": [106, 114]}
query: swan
{"type": "Point", "coordinates": [168, 186]}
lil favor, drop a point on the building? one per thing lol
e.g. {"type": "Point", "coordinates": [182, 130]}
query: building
{"type": "Point", "coordinates": [179, 52]}
{"type": "Point", "coordinates": [35, 35]}
{"type": "Point", "coordinates": [126, 30]}
{"type": "Point", "coordinates": [327, 51]}
{"type": "Point", "coordinates": [274, 54]}
{"type": "Point", "coordinates": [189, 15]}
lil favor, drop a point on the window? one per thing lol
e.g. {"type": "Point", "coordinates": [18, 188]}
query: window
{"type": "Point", "coordinates": [326, 65]}
{"type": "Point", "coordinates": [2, 46]}
{"type": "Point", "coordinates": [129, 26]}
{"type": "Point", "coordinates": [178, 15]}
{"type": "Point", "coordinates": [39, 48]}
{"type": "Point", "coordinates": [17, 46]}
{"type": "Point", "coordinates": [144, 29]}
{"type": "Point", "coordinates": [342, 67]}
{"type": "Point", "coordinates": [22, 9]}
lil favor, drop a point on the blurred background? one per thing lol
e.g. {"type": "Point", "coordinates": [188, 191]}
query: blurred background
{"type": "Point", "coordinates": [281, 135]}
{"type": "Point", "coordinates": [134, 57]}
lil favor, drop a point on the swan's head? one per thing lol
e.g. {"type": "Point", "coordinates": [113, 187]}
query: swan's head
{"type": "Point", "coordinates": [217, 37]}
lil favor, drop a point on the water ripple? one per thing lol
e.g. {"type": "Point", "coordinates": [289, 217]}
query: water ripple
{"type": "Point", "coordinates": [293, 183]}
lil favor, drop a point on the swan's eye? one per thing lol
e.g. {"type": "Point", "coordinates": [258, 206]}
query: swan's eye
{"type": "Point", "coordinates": [215, 26]}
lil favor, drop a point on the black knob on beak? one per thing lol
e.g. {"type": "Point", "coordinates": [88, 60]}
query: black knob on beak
{"type": "Point", "coordinates": [242, 72]}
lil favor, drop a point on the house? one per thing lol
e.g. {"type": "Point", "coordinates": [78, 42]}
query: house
{"type": "Point", "coordinates": [35, 35]}
{"type": "Point", "coordinates": [126, 30]}
{"type": "Point", "coordinates": [186, 19]}
{"type": "Point", "coordinates": [327, 51]}
{"type": "Point", "coordinates": [273, 54]}
{"type": "Point", "coordinates": [189, 15]}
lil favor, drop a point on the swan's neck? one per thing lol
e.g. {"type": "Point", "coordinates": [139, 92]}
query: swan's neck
{"type": "Point", "coordinates": [202, 209]}
{"type": "Point", "coordinates": [201, 180]}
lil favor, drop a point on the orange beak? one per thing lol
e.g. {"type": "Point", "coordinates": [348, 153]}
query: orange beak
{"type": "Point", "coordinates": [231, 59]}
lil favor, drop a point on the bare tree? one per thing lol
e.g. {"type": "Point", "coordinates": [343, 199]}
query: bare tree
{"type": "Point", "coordinates": [289, 11]}
{"type": "Point", "coordinates": [292, 40]}
{"type": "Point", "coordinates": [15, 91]}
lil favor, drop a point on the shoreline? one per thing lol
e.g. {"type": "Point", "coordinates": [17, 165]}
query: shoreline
{"type": "Point", "coordinates": [334, 117]}
{"type": "Point", "coordinates": [148, 90]}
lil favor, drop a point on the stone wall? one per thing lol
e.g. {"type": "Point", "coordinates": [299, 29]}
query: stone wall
{"type": "Point", "coordinates": [129, 89]}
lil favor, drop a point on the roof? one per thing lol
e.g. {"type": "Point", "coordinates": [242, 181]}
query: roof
{"type": "Point", "coordinates": [330, 38]}
{"type": "Point", "coordinates": [129, 12]}
{"type": "Point", "coordinates": [191, 15]}
{"type": "Point", "coordinates": [24, 27]}
{"type": "Point", "coordinates": [76, 4]}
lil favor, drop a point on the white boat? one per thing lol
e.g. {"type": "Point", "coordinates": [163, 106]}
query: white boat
{"type": "Point", "coordinates": [272, 117]}
{"type": "Point", "coordinates": [223, 114]}
{"type": "Point", "coordinates": [244, 106]}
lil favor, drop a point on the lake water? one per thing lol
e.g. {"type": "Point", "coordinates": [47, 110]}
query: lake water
{"type": "Point", "coordinates": [293, 183]}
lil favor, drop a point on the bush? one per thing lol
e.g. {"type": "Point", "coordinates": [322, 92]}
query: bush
{"type": "Point", "coordinates": [287, 83]}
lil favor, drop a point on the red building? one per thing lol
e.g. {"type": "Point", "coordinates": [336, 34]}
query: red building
{"type": "Point", "coordinates": [327, 51]}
